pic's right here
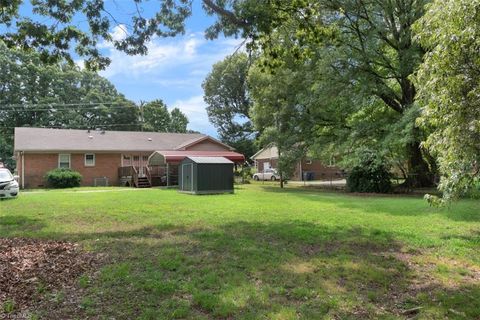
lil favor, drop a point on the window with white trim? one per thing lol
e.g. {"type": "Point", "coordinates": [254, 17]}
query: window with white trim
{"type": "Point", "coordinates": [89, 159]}
{"type": "Point", "coordinates": [64, 161]}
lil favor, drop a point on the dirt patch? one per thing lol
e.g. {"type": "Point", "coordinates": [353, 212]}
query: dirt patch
{"type": "Point", "coordinates": [30, 267]}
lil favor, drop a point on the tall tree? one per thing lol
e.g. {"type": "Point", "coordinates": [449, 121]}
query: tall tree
{"type": "Point", "coordinates": [373, 46]}
{"type": "Point", "coordinates": [156, 116]}
{"type": "Point", "coordinates": [226, 94]}
{"type": "Point", "coordinates": [178, 121]}
{"type": "Point", "coordinates": [284, 122]}
{"type": "Point", "coordinates": [449, 88]}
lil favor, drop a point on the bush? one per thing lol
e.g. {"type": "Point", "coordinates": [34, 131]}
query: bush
{"type": "Point", "coordinates": [370, 175]}
{"type": "Point", "coordinates": [63, 178]}
{"type": "Point", "coordinates": [244, 174]}
{"type": "Point", "coordinates": [474, 191]}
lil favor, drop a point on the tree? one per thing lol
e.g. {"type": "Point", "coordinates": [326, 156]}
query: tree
{"type": "Point", "coordinates": [60, 96]}
{"type": "Point", "coordinates": [226, 94]}
{"type": "Point", "coordinates": [283, 121]}
{"type": "Point", "coordinates": [83, 25]}
{"type": "Point", "coordinates": [371, 47]}
{"type": "Point", "coordinates": [156, 116]}
{"type": "Point", "coordinates": [449, 90]}
{"type": "Point", "coordinates": [54, 29]}
{"type": "Point", "coordinates": [178, 121]}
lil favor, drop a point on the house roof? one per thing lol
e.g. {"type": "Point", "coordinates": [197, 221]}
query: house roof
{"type": "Point", "coordinates": [196, 140]}
{"type": "Point", "coordinates": [215, 160]}
{"type": "Point", "coordinates": [269, 152]}
{"type": "Point", "coordinates": [42, 139]}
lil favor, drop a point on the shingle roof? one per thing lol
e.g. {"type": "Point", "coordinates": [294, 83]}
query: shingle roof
{"type": "Point", "coordinates": [187, 144]}
{"type": "Point", "coordinates": [210, 160]}
{"type": "Point", "coordinates": [41, 139]}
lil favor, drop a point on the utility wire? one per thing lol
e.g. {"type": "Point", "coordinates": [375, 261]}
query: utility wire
{"type": "Point", "coordinates": [80, 127]}
{"type": "Point", "coordinates": [61, 104]}
{"type": "Point", "coordinates": [63, 108]}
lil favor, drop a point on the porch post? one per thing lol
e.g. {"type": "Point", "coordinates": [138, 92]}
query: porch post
{"type": "Point", "coordinates": [168, 175]}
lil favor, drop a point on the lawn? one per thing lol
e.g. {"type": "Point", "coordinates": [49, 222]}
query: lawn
{"type": "Point", "coordinates": [261, 253]}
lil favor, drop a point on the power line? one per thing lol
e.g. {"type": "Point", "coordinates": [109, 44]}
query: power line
{"type": "Point", "coordinates": [53, 109]}
{"type": "Point", "coordinates": [62, 104]}
{"type": "Point", "coordinates": [80, 127]}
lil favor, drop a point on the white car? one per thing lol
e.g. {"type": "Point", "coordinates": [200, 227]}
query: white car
{"type": "Point", "coordinates": [8, 184]}
{"type": "Point", "coordinates": [268, 174]}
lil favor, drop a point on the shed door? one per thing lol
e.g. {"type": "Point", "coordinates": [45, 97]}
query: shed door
{"type": "Point", "coordinates": [187, 177]}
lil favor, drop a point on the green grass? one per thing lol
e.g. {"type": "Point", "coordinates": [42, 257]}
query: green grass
{"type": "Point", "coordinates": [261, 253]}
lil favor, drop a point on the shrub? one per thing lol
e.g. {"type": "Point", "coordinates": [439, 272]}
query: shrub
{"type": "Point", "coordinates": [370, 175]}
{"type": "Point", "coordinates": [244, 174]}
{"type": "Point", "coordinates": [63, 178]}
{"type": "Point", "coordinates": [474, 191]}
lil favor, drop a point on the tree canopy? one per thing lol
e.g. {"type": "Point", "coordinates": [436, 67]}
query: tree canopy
{"type": "Point", "coordinates": [228, 102]}
{"type": "Point", "coordinates": [156, 117]}
{"type": "Point", "coordinates": [449, 90]}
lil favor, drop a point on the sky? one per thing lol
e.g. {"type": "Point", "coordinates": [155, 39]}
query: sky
{"type": "Point", "coordinates": [174, 68]}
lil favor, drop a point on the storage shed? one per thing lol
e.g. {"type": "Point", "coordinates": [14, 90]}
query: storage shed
{"type": "Point", "coordinates": [206, 175]}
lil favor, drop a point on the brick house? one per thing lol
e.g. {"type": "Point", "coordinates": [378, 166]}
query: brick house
{"type": "Point", "coordinates": [267, 158]}
{"type": "Point", "coordinates": [110, 157]}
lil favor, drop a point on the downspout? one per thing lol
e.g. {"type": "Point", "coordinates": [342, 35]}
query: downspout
{"type": "Point", "coordinates": [23, 169]}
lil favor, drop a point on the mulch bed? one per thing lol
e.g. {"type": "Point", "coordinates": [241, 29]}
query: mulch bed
{"type": "Point", "coordinates": [31, 267]}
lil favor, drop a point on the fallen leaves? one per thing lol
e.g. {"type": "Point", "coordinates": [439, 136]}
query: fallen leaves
{"type": "Point", "coordinates": [31, 267]}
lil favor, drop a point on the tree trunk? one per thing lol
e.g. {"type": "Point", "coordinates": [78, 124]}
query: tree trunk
{"type": "Point", "coordinates": [281, 179]}
{"type": "Point", "coordinates": [419, 173]}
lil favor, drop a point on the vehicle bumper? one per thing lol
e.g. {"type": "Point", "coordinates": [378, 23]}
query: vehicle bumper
{"type": "Point", "coordinates": [10, 193]}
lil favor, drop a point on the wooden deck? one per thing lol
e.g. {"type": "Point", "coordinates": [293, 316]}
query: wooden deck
{"type": "Point", "coordinates": [152, 176]}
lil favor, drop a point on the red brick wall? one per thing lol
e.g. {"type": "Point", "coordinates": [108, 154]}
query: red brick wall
{"type": "Point", "coordinates": [261, 164]}
{"type": "Point", "coordinates": [320, 171]}
{"type": "Point", "coordinates": [38, 164]}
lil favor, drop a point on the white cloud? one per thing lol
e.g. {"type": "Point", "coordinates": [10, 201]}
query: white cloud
{"type": "Point", "coordinates": [119, 32]}
{"type": "Point", "coordinates": [191, 51]}
{"type": "Point", "coordinates": [194, 109]}
{"type": "Point", "coordinates": [177, 66]}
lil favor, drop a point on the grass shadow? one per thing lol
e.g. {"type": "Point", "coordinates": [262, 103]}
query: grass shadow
{"type": "Point", "coordinates": [250, 270]}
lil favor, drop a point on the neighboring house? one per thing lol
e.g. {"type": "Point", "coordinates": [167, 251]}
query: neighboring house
{"type": "Point", "coordinates": [311, 169]}
{"type": "Point", "coordinates": [110, 157]}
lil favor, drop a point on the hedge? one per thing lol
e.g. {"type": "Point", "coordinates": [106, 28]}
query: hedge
{"type": "Point", "coordinates": [63, 178]}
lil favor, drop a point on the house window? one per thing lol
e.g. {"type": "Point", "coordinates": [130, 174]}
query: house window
{"type": "Point", "coordinates": [136, 158]}
{"type": "Point", "coordinates": [145, 158]}
{"type": "Point", "coordinates": [89, 159]}
{"type": "Point", "coordinates": [64, 161]}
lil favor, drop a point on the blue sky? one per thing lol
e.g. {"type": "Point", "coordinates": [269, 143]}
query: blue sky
{"type": "Point", "coordinates": [174, 68]}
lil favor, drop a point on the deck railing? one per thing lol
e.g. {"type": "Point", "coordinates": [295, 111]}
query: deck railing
{"type": "Point", "coordinates": [130, 173]}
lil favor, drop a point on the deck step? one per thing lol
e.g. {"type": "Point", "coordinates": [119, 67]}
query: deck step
{"type": "Point", "coordinates": [143, 183]}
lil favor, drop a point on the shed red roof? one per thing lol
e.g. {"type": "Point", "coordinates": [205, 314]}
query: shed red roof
{"type": "Point", "coordinates": [177, 156]}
